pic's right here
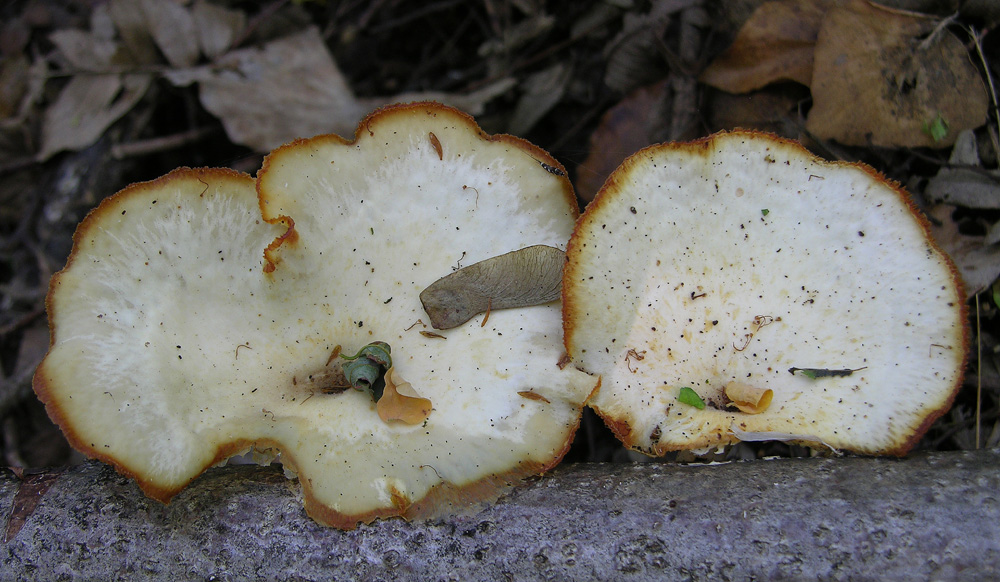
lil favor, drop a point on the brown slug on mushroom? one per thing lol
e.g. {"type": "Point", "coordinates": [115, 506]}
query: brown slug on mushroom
{"type": "Point", "coordinates": [198, 314]}
{"type": "Point", "coordinates": [731, 261]}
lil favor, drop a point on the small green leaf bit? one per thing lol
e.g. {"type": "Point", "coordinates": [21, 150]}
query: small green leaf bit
{"type": "Point", "coordinates": [937, 128]}
{"type": "Point", "coordinates": [689, 396]}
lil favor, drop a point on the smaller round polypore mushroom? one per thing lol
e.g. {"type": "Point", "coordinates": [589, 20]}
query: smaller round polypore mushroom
{"type": "Point", "coordinates": [737, 287]}
{"type": "Point", "coordinates": [204, 313]}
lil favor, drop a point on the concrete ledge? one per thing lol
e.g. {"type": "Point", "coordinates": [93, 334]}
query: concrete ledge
{"type": "Point", "coordinates": [932, 516]}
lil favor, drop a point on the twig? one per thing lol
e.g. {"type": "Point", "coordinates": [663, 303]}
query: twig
{"type": "Point", "coordinates": [265, 14]}
{"type": "Point", "coordinates": [411, 16]}
{"type": "Point", "coordinates": [977, 40]}
{"type": "Point", "coordinates": [159, 144]}
{"type": "Point", "coordinates": [22, 321]}
{"type": "Point", "coordinates": [927, 42]}
{"type": "Point", "coordinates": [14, 164]}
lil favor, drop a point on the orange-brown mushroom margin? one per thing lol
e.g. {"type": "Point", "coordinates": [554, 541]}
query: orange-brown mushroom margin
{"type": "Point", "coordinates": [283, 257]}
{"type": "Point", "coordinates": [622, 184]}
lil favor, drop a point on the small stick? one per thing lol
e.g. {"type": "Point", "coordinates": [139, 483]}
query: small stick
{"type": "Point", "coordinates": [159, 144]}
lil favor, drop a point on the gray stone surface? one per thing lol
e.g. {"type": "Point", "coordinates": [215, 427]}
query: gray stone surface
{"type": "Point", "coordinates": [929, 517]}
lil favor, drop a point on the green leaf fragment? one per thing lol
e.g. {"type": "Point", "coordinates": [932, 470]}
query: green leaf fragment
{"type": "Point", "coordinates": [690, 397]}
{"type": "Point", "coordinates": [937, 128]}
{"type": "Point", "coordinates": [765, 212]}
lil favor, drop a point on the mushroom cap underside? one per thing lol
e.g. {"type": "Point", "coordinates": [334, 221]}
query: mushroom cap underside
{"type": "Point", "coordinates": [743, 259]}
{"type": "Point", "coordinates": [199, 313]}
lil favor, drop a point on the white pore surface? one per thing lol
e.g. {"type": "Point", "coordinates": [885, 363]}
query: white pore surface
{"type": "Point", "coordinates": [739, 258]}
{"type": "Point", "coordinates": [172, 343]}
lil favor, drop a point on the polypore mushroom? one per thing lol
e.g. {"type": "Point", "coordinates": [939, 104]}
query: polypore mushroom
{"type": "Point", "coordinates": [201, 315]}
{"type": "Point", "coordinates": [795, 298]}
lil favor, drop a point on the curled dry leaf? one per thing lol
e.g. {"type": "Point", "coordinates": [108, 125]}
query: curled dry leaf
{"type": "Point", "coordinates": [522, 278]}
{"type": "Point", "coordinates": [401, 402]}
{"type": "Point", "coordinates": [775, 44]}
{"type": "Point", "coordinates": [749, 399]}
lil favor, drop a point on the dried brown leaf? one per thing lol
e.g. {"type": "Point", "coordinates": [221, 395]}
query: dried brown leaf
{"type": "Point", "coordinates": [268, 96]}
{"type": "Point", "coordinates": [87, 105]}
{"type": "Point", "coordinates": [542, 91]}
{"type": "Point", "coordinates": [34, 344]}
{"type": "Point", "coordinates": [30, 493]}
{"type": "Point", "coordinates": [596, 17]}
{"type": "Point", "coordinates": [290, 88]}
{"type": "Point", "coordinates": [631, 57]}
{"type": "Point", "coordinates": [518, 35]}
{"type": "Point", "coordinates": [634, 57]}
{"type": "Point", "coordinates": [84, 50]}
{"type": "Point", "coordinates": [173, 28]}
{"type": "Point", "coordinates": [217, 27]}
{"type": "Point", "coordinates": [133, 30]}
{"type": "Point", "coordinates": [773, 109]}
{"type": "Point", "coordinates": [13, 84]}
{"type": "Point", "coordinates": [961, 186]}
{"type": "Point", "coordinates": [775, 44]}
{"type": "Point", "coordinates": [879, 79]}
{"type": "Point", "coordinates": [632, 124]}
{"type": "Point", "coordinates": [977, 262]}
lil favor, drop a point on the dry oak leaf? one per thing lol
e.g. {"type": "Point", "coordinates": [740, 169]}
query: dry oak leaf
{"type": "Point", "coordinates": [977, 261]}
{"type": "Point", "coordinates": [269, 95]}
{"type": "Point", "coordinates": [633, 123]}
{"type": "Point", "coordinates": [775, 44]}
{"type": "Point", "coordinates": [880, 76]}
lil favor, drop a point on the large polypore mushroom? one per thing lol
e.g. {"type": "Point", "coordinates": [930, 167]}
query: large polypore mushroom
{"type": "Point", "coordinates": [201, 315]}
{"type": "Point", "coordinates": [739, 288]}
